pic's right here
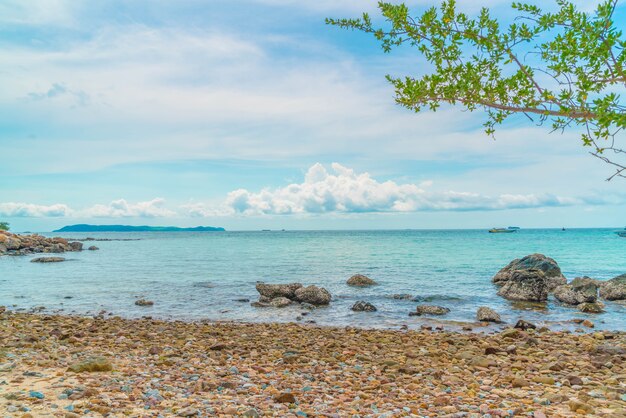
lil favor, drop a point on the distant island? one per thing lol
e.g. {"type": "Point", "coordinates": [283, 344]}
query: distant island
{"type": "Point", "coordinates": [130, 228]}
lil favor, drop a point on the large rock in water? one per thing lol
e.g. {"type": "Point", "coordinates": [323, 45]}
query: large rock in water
{"type": "Point", "coordinates": [313, 295]}
{"type": "Point", "coordinates": [429, 310]}
{"type": "Point", "coordinates": [580, 290]}
{"type": "Point", "coordinates": [527, 285]}
{"type": "Point", "coordinates": [547, 265]}
{"type": "Point", "coordinates": [362, 306]}
{"type": "Point", "coordinates": [614, 289]}
{"type": "Point", "coordinates": [360, 280]}
{"type": "Point", "coordinates": [271, 291]}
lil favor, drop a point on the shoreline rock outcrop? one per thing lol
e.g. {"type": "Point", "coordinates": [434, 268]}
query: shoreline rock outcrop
{"type": "Point", "coordinates": [547, 265]}
{"type": "Point", "coordinates": [15, 244]}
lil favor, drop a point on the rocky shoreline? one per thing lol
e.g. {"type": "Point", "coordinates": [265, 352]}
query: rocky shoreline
{"type": "Point", "coordinates": [73, 366]}
{"type": "Point", "coordinates": [14, 244]}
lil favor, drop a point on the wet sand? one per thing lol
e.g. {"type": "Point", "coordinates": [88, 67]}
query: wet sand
{"type": "Point", "coordinates": [65, 366]}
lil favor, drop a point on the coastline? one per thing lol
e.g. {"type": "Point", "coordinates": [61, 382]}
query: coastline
{"type": "Point", "coordinates": [180, 368]}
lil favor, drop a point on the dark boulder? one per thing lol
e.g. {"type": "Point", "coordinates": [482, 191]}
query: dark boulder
{"type": "Point", "coordinates": [525, 285]}
{"type": "Point", "coordinates": [577, 292]}
{"type": "Point", "coordinates": [547, 265]}
{"type": "Point", "coordinates": [362, 306]}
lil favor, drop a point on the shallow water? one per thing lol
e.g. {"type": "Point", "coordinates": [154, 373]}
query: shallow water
{"type": "Point", "coordinates": [199, 275]}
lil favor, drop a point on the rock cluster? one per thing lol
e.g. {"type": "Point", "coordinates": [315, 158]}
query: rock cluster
{"type": "Point", "coordinates": [281, 295]}
{"type": "Point", "coordinates": [14, 244]}
{"type": "Point", "coordinates": [155, 368]}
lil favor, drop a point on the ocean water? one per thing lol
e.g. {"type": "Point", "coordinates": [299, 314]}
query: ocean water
{"type": "Point", "coordinates": [192, 276]}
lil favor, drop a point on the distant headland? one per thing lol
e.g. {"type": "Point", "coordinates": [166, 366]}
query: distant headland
{"type": "Point", "coordinates": [130, 228]}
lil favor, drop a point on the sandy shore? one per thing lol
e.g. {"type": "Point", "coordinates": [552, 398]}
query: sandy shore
{"type": "Point", "coordinates": [152, 368]}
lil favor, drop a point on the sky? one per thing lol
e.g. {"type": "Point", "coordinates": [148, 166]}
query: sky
{"type": "Point", "coordinates": [254, 114]}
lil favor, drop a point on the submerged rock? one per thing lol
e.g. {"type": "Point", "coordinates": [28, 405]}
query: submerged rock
{"type": "Point", "coordinates": [93, 248]}
{"type": "Point", "coordinates": [595, 307]}
{"type": "Point", "coordinates": [47, 260]}
{"type": "Point", "coordinates": [547, 265]}
{"type": "Point", "coordinates": [614, 289]}
{"type": "Point", "coordinates": [485, 314]}
{"type": "Point", "coordinates": [280, 302]}
{"type": "Point", "coordinates": [313, 295]}
{"type": "Point", "coordinates": [362, 306]}
{"type": "Point", "coordinates": [360, 280]}
{"type": "Point", "coordinates": [524, 325]}
{"type": "Point", "coordinates": [272, 291]}
{"type": "Point", "coordinates": [525, 285]}
{"type": "Point", "coordinates": [144, 302]}
{"type": "Point", "coordinates": [76, 246]}
{"type": "Point", "coordinates": [430, 310]}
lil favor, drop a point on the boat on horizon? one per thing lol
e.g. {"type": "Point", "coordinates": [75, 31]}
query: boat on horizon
{"type": "Point", "coordinates": [502, 230]}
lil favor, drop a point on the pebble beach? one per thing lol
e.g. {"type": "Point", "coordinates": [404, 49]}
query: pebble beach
{"type": "Point", "coordinates": [71, 366]}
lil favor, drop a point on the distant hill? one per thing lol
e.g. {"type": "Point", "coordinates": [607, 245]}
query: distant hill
{"type": "Point", "coordinates": [130, 228]}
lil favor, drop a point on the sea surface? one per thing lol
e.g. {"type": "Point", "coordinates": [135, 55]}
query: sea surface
{"type": "Point", "coordinates": [193, 276]}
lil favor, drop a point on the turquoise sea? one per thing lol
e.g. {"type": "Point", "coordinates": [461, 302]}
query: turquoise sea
{"type": "Point", "coordinates": [194, 276]}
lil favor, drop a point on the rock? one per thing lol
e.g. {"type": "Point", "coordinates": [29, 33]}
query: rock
{"type": "Point", "coordinates": [272, 291]}
{"type": "Point", "coordinates": [47, 260]}
{"type": "Point", "coordinates": [587, 323]}
{"type": "Point", "coordinates": [280, 302]}
{"type": "Point", "coordinates": [519, 382]}
{"type": "Point", "coordinates": [614, 289]}
{"type": "Point", "coordinates": [547, 265]}
{"type": "Point", "coordinates": [362, 306]}
{"type": "Point", "coordinates": [485, 314]}
{"type": "Point", "coordinates": [360, 280]}
{"type": "Point", "coordinates": [577, 292]}
{"type": "Point", "coordinates": [402, 296]}
{"type": "Point", "coordinates": [285, 397]}
{"type": "Point", "coordinates": [510, 333]}
{"type": "Point", "coordinates": [93, 248]}
{"type": "Point", "coordinates": [431, 310]}
{"type": "Point", "coordinates": [525, 285]}
{"type": "Point", "coordinates": [188, 412]}
{"type": "Point", "coordinates": [144, 302]}
{"type": "Point", "coordinates": [92, 364]}
{"type": "Point", "coordinates": [76, 246]}
{"type": "Point", "coordinates": [596, 307]}
{"type": "Point", "coordinates": [524, 325]}
{"type": "Point", "coordinates": [313, 295]}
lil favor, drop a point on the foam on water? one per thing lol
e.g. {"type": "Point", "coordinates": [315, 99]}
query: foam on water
{"type": "Point", "coordinates": [200, 275]}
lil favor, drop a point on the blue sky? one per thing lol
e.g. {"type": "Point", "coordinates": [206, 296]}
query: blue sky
{"type": "Point", "coordinates": [255, 114]}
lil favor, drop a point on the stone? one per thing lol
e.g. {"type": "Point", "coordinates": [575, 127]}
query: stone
{"type": "Point", "coordinates": [280, 302]}
{"type": "Point", "coordinates": [76, 246]}
{"type": "Point", "coordinates": [47, 260]}
{"type": "Point", "coordinates": [614, 289]}
{"type": "Point", "coordinates": [576, 292]}
{"type": "Point", "coordinates": [144, 302]}
{"type": "Point", "coordinates": [524, 325]}
{"type": "Point", "coordinates": [485, 314]}
{"type": "Point", "coordinates": [285, 397]}
{"type": "Point", "coordinates": [360, 280]}
{"type": "Point", "coordinates": [431, 310]}
{"type": "Point", "coordinates": [587, 323]}
{"type": "Point", "coordinates": [525, 285]}
{"type": "Point", "coordinates": [519, 382]}
{"type": "Point", "coordinates": [362, 306]}
{"type": "Point", "coordinates": [272, 291]}
{"type": "Point", "coordinates": [596, 307]}
{"type": "Point", "coordinates": [547, 265]}
{"type": "Point", "coordinates": [92, 364]}
{"type": "Point", "coordinates": [93, 248]}
{"type": "Point", "coordinates": [313, 295]}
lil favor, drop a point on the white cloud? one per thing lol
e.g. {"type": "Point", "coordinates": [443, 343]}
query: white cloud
{"type": "Point", "coordinates": [29, 210]}
{"type": "Point", "coordinates": [345, 191]}
{"type": "Point", "coordinates": [122, 209]}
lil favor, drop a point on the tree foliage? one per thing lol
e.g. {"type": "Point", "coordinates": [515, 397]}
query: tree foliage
{"type": "Point", "coordinates": [562, 67]}
{"type": "Point", "coordinates": [4, 226]}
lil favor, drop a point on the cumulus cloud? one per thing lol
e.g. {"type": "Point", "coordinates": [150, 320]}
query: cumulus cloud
{"type": "Point", "coordinates": [29, 210]}
{"type": "Point", "coordinates": [344, 190]}
{"type": "Point", "coordinates": [122, 209]}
